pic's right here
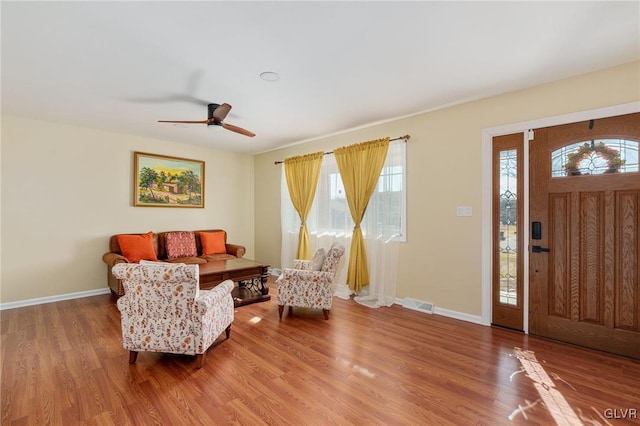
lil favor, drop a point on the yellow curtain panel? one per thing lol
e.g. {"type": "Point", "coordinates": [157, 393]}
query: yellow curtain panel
{"type": "Point", "coordinates": [360, 166]}
{"type": "Point", "coordinates": [302, 174]}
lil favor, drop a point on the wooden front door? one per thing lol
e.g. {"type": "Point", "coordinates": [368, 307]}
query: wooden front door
{"type": "Point", "coordinates": [585, 289]}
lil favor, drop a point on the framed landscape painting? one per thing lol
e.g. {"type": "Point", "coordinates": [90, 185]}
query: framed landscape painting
{"type": "Point", "coordinates": [162, 181]}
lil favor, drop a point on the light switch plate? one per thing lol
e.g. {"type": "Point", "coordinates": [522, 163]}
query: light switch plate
{"type": "Point", "coordinates": [464, 211]}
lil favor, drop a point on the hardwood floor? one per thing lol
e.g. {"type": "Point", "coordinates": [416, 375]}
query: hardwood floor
{"type": "Point", "coordinates": [63, 364]}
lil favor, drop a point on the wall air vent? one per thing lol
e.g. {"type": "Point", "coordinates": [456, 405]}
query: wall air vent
{"type": "Point", "coordinates": [418, 305]}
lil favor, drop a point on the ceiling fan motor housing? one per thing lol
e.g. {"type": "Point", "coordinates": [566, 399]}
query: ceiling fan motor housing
{"type": "Point", "coordinates": [210, 109]}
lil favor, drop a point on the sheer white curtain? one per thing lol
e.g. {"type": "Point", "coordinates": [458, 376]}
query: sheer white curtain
{"type": "Point", "coordinates": [330, 221]}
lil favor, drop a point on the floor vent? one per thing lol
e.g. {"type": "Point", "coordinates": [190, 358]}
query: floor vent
{"type": "Point", "coordinates": [417, 305]}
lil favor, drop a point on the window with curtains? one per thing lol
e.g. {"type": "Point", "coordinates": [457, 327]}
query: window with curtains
{"type": "Point", "coordinates": [386, 213]}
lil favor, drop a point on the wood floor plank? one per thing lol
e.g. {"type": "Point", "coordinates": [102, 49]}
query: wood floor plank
{"type": "Point", "coordinates": [63, 363]}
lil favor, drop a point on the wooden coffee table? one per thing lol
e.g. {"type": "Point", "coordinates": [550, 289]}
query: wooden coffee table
{"type": "Point", "coordinates": [250, 275]}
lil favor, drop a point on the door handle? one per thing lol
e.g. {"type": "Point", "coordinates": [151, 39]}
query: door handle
{"type": "Point", "coordinates": [538, 249]}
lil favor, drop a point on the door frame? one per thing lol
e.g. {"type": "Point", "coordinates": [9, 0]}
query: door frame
{"type": "Point", "coordinates": [487, 177]}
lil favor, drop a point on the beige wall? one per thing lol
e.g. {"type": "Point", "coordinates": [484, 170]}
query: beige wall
{"type": "Point", "coordinates": [66, 189]}
{"type": "Point", "coordinates": [59, 207]}
{"type": "Point", "coordinates": [441, 260]}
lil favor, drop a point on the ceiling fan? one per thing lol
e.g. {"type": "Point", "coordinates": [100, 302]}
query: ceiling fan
{"type": "Point", "coordinates": [216, 114]}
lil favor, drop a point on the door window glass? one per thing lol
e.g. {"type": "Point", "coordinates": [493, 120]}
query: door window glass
{"type": "Point", "coordinates": [508, 248]}
{"type": "Point", "coordinates": [595, 157]}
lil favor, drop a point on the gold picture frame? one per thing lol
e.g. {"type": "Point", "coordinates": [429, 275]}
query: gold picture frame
{"type": "Point", "coordinates": [164, 181]}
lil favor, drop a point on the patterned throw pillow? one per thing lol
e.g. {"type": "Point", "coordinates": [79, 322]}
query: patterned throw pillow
{"type": "Point", "coordinates": [317, 260]}
{"type": "Point", "coordinates": [333, 257]}
{"type": "Point", "coordinates": [180, 244]}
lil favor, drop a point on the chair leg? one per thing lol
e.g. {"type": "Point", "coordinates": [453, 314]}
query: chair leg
{"type": "Point", "coordinates": [280, 309]}
{"type": "Point", "coordinates": [228, 331]}
{"type": "Point", "coordinates": [133, 357]}
{"type": "Point", "coordinates": [200, 360]}
{"type": "Point", "coordinates": [325, 312]}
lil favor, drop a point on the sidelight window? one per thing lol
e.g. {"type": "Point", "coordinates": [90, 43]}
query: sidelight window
{"type": "Point", "coordinates": [508, 213]}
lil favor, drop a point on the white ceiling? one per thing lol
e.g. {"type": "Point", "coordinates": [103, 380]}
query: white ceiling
{"type": "Point", "coordinates": [121, 66]}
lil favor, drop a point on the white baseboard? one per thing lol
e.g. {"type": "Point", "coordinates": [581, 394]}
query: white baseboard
{"type": "Point", "coordinates": [49, 299]}
{"type": "Point", "coordinates": [476, 319]}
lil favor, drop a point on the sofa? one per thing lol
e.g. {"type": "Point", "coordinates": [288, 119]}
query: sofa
{"type": "Point", "coordinates": [189, 247]}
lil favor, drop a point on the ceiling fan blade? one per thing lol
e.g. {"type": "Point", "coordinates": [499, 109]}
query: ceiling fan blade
{"type": "Point", "coordinates": [169, 99]}
{"type": "Point", "coordinates": [185, 122]}
{"type": "Point", "coordinates": [221, 112]}
{"type": "Point", "coordinates": [238, 129]}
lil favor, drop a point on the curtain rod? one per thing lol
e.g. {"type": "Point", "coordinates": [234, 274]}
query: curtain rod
{"type": "Point", "coordinates": [404, 138]}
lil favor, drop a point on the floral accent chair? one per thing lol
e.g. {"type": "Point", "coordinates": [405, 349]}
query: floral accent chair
{"type": "Point", "coordinates": [164, 310]}
{"type": "Point", "coordinates": [307, 286]}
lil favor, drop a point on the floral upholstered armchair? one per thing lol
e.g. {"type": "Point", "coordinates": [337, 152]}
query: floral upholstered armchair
{"type": "Point", "coordinates": [164, 310]}
{"type": "Point", "coordinates": [309, 284]}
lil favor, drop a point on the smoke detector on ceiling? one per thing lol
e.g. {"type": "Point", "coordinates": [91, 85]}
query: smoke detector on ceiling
{"type": "Point", "coordinates": [270, 76]}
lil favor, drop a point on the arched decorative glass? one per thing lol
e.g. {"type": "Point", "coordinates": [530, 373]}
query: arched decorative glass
{"type": "Point", "coordinates": [595, 157]}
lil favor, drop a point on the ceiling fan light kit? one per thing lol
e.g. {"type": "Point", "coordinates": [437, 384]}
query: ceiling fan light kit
{"type": "Point", "coordinates": [216, 113]}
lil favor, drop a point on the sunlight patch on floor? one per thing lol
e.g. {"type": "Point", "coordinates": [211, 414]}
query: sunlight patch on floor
{"type": "Point", "coordinates": [356, 368]}
{"type": "Point", "coordinates": [255, 320]}
{"type": "Point", "coordinates": [557, 405]}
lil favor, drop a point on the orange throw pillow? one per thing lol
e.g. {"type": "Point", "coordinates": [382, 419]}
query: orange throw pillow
{"type": "Point", "coordinates": [137, 247]}
{"type": "Point", "coordinates": [213, 242]}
